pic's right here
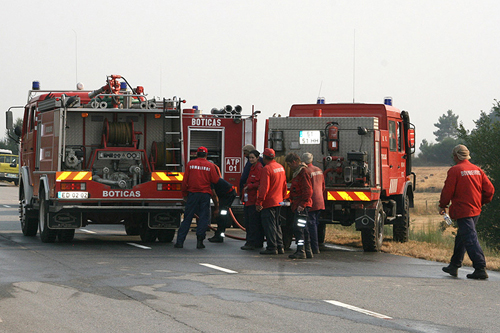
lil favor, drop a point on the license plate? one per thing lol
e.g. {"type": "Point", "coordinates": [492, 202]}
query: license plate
{"type": "Point", "coordinates": [72, 195]}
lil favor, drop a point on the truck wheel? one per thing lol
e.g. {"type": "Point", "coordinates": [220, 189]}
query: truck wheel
{"type": "Point", "coordinates": [29, 225]}
{"type": "Point", "coordinates": [401, 226]}
{"type": "Point", "coordinates": [372, 238]}
{"type": "Point", "coordinates": [16, 182]}
{"type": "Point", "coordinates": [166, 235]}
{"type": "Point", "coordinates": [148, 235]}
{"type": "Point", "coordinates": [132, 230]}
{"type": "Point", "coordinates": [47, 235]}
{"type": "Point", "coordinates": [66, 235]}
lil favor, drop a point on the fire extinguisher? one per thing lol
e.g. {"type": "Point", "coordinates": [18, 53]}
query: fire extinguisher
{"type": "Point", "coordinates": [332, 136]}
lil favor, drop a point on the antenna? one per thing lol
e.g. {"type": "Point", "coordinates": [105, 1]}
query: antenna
{"type": "Point", "coordinates": [354, 67]}
{"type": "Point", "coordinates": [320, 86]}
{"type": "Point", "coordinates": [76, 56]}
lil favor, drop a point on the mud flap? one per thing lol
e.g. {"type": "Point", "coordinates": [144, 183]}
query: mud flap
{"type": "Point", "coordinates": [65, 220]}
{"type": "Point", "coordinates": [164, 220]}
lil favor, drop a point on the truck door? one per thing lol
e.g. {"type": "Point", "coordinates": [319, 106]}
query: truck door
{"type": "Point", "coordinates": [396, 160]}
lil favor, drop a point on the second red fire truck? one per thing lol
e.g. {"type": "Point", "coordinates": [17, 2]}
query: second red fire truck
{"type": "Point", "coordinates": [365, 153]}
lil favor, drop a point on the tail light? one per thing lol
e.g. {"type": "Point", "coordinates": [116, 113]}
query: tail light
{"type": "Point", "coordinates": [67, 186]}
{"type": "Point", "coordinates": [168, 186]}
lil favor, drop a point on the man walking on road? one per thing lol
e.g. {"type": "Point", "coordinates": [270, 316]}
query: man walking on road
{"type": "Point", "coordinates": [468, 188]}
{"type": "Point", "coordinates": [272, 190]}
{"type": "Point", "coordinates": [197, 190]}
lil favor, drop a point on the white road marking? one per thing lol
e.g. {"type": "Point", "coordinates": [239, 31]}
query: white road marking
{"type": "Point", "coordinates": [343, 248]}
{"type": "Point", "coordinates": [354, 308]}
{"type": "Point", "coordinates": [140, 246]}
{"type": "Point", "coordinates": [219, 268]}
{"type": "Point", "coordinates": [6, 206]}
{"type": "Point", "coordinates": [87, 231]}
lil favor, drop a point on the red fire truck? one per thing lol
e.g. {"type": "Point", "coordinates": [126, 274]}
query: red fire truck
{"type": "Point", "coordinates": [365, 153]}
{"type": "Point", "coordinates": [114, 156]}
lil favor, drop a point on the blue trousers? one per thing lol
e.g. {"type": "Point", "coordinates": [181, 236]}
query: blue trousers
{"type": "Point", "coordinates": [197, 203]}
{"type": "Point", "coordinates": [255, 232]}
{"type": "Point", "coordinates": [466, 241]}
{"type": "Point", "coordinates": [312, 225]}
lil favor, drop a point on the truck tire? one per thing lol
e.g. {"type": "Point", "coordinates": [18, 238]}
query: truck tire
{"type": "Point", "coordinates": [372, 238]}
{"type": "Point", "coordinates": [46, 235]}
{"type": "Point", "coordinates": [166, 235]}
{"type": "Point", "coordinates": [66, 235]}
{"type": "Point", "coordinates": [148, 235]}
{"type": "Point", "coordinates": [401, 225]}
{"type": "Point", "coordinates": [29, 224]}
{"type": "Point", "coordinates": [132, 230]}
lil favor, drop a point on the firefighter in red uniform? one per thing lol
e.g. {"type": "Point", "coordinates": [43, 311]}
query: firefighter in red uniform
{"type": "Point", "coordinates": [255, 233]}
{"type": "Point", "coordinates": [468, 188]}
{"type": "Point", "coordinates": [272, 190]}
{"type": "Point", "coordinates": [301, 192]}
{"type": "Point", "coordinates": [318, 200]}
{"type": "Point", "coordinates": [197, 190]}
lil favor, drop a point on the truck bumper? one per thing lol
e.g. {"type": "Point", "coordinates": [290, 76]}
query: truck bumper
{"type": "Point", "coordinates": [74, 216]}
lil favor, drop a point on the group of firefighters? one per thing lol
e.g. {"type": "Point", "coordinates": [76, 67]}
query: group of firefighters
{"type": "Point", "coordinates": [264, 190]}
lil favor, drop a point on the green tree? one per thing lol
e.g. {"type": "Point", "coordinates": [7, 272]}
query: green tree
{"type": "Point", "coordinates": [8, 142]}
{"type": "Point", "coordinates": [447, 126]}
{"type": "Point", "coordinates": [446, 136]}
{"type": "Point", "coordinates": [483, 144]}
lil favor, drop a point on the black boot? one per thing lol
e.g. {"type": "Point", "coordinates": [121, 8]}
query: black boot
{"type": "Point", "coordinates": [479, 274]}
{"type": "Point", "coordinates": [199, 243]}
{"type": "Point", "coordinates": [299, 254]}
{"type": "Point", "coordinates": [451, 269]}
{"type": "Point", "coordinates": [216, 239]}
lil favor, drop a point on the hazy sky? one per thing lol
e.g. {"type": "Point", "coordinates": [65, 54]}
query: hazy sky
{"type": "Point", "coordinates": [430, 56]}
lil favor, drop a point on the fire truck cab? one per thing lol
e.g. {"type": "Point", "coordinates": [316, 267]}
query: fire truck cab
{"type": "Point", "coordinates": [365, 153]}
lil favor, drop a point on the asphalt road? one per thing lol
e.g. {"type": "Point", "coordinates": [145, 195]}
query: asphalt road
{"type": "Point", "coordinates": [106, 281]}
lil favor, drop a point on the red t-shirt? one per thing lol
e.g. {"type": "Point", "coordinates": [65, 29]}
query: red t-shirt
{"type": "Point", "coordinates": [318, 184]}
{"type": "Point", "coordinates": [468, 188]}
{"type": "Point", "coordinates": [253, 182]}
{"type": "Point", "coordinates": [199, 176]}
{"type": "Point", "coordinates": [272, 188]}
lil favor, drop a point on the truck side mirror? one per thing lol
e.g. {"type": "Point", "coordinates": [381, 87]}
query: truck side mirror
{"type": "Point", "coordinates": [14, 163]}
{"type": "Point", "coordinates": [9, 120]}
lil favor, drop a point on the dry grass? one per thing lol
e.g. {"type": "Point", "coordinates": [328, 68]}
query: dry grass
{"type": "Point", "coordinates": [424, 219]}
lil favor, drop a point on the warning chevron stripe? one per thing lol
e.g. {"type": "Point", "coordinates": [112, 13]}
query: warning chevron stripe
{"type": "Point", "coordinates": [347, 196]}
{"type": "Point", "coordinates": [73, 175]}
{"type": "Point", "coordinates": [162, 176]}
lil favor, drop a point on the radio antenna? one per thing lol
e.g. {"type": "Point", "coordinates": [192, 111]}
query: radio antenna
{"type": "Point", "coordinates": [320, 86]}
{"type": "Point", "coordinates": [354, 67]}
{"type": "Point", "coordinates": [76, 56]}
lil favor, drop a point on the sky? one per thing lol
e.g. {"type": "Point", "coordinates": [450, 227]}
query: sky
{"type": "Point", "coordinates": [429, 56]}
